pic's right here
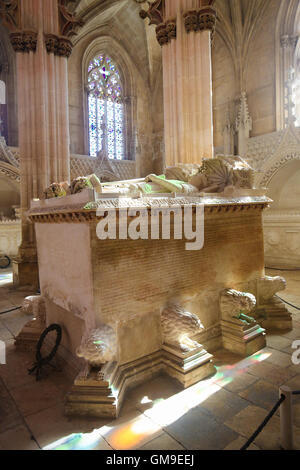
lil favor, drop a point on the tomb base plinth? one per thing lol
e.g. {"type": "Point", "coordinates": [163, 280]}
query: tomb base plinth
{"type": "Point", "coordinates": [29, 336]}
{"type": "Point", "coordinates": [274, 315]}
{"type": "Point", "coordinates": [187, 367]}
{"type": "Point", "coordinates": [25, 273]}
{"type": "Point", "coordinates": [92, 395]}
{"type": "Point", "coordinates": [241, 338]}
{"type": "Point", "coordinates": [101, 395]}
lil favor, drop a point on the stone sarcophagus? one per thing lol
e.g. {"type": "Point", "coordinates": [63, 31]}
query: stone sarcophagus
{"type": "Point", "coordinates": [131, 304]}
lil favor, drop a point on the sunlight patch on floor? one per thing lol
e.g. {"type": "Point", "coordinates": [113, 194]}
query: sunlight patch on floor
{"type": "Point", "coordinates": [6, 278]}
{"type": "Point", "coordinates": [164, 412]}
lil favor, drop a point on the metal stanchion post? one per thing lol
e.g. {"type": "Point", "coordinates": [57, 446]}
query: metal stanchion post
{"type": "Point", "coordinates": [286, 419]}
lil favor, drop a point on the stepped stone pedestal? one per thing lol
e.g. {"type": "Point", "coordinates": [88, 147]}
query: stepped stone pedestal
{"type": "Point", "coordinates": [274, 315]}
{"type": "Point", "coordinates": [241, 338]}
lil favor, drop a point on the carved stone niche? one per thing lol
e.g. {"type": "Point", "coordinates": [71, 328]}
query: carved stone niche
{"type": "Point", "coordinates": [24, 41]}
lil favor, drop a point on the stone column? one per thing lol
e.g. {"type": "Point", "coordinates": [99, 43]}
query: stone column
{"type": "Point", "coordinates": [184, 30]}
{"type": "Point", "coordinates": [39, 36]}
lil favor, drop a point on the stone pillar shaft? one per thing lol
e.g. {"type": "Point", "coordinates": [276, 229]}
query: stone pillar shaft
{"type": "Point", "coordinates": [187, 78]}
{"type": "Point", "coordinates": [42, 110]}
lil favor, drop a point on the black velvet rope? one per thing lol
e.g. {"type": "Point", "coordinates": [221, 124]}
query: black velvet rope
{"type": "Point", "coordinates": [264, 423]}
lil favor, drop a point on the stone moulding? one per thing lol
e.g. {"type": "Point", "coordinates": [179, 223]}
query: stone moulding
{"type": "Point", "coordinates": [24, 41]}
{"type": "Point", "coordinates": [86, 216]}
{"type": "Point", "coordinates": [58, 45]}
{"type": "Point", "coordinates": [200, 20]}
{"type": "Point", "coordinates": [10, 171]}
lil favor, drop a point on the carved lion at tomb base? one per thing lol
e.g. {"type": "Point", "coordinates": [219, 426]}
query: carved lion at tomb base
{"type": "Point", "coordinates": [178, 326]}
{"type": "Point", "coordinates": [268, 286]}
{"type": "Point", "coordinates": [237, 305]}
{"type": "Point", "coordinates": [99, 347]}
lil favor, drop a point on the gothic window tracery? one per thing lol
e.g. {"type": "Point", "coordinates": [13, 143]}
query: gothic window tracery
{"type": "Point", "coordinates": [106, 108]}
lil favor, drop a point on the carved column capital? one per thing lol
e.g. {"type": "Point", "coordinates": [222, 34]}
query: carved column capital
{"type": "Point", "coordinates": [165, 32]}
{"type": "Point", "coordinates": [24, 41]}
{"type": "Point", "coordinates": [200, 20]}
{"type": "Point", "coordinates": [191, 21]}
{"type": "Point", "coordinates": [171, 29]}
{"type": "Point", "coordinates": [58, 45]}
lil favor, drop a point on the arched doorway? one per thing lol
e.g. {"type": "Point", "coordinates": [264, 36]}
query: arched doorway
{"type": "Point", "coordinates": [10, 224]}
{"type": "Point", "coordinates": [282, 220]}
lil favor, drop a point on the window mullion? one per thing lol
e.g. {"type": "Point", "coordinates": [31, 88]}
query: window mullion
{"type": "Point", "coordinates": [97, 126]}
{"type": "Point", "coordinates": [115, 135]}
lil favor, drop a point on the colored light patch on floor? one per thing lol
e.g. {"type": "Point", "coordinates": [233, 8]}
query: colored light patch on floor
{"type": "Point", "coordinates": [132, 434]}
{"type": "Point", "coordinates": [88, 441]}
{"type": "Point", "coordinates": [5, 278]}
{"type": "Point", "coordinates": [226, 374]}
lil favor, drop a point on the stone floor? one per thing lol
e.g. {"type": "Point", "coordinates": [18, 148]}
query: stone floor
{"type": "Point", "coordinates": [219, 413]}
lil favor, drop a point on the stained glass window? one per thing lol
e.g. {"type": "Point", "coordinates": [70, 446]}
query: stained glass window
{"type": "Point", "coordinates": [106, 108]}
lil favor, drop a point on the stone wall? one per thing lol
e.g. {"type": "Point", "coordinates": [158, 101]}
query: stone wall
{"type": "Point", "coordinates": [140, 277]}
{"type": "Point", "coordinates": [10, 237]}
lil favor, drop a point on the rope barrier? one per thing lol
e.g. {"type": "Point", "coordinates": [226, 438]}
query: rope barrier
{"type": "Point", "coordinates": [288, 303]}
{"type": "Point", "coordinates": [282, 269]}
{"type": "Point", "coordinates": [282, 398]}
{"type": "Point", "coordinates": [11, 310]}
{"type": "Point", "coordinates": [263, 424]}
